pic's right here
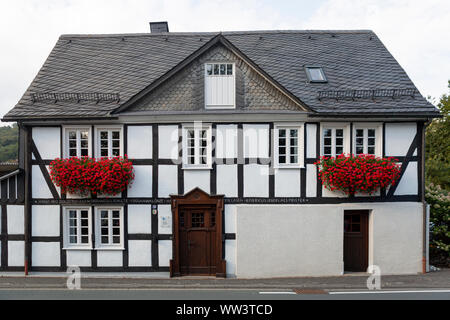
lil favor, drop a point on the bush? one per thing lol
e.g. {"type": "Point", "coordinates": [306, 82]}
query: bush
{"type": "Point", "coordinates": [439, 201]}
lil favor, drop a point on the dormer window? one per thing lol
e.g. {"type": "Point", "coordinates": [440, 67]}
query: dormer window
{"type": "Point", "coordinates": [219, 86]}
{"type": "Point", "coordinates": [315, 74]}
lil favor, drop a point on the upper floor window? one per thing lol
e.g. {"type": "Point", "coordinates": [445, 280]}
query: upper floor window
{"type": "Point", "coordinates": [334, 140]}
{"type": "Point", "coordinates": [288, 142]}
{"type": "Point", "coordinates": [77, 141]}
{"type": "Point", "coordinates": [109, 142]}
{"type": "Point", "coordinates": [197, 146]}
{"type": "Point", "coordinates": [366, 139]}
{"type": "Point", "coordinates": [219, 85]}
{"type": "Point", "coordinates": [315, 74]}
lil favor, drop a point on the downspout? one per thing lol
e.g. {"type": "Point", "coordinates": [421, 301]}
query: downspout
{"type": "Point", "coordinates": [424, 203]}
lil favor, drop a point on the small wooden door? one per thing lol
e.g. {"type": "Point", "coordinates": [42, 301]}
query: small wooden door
{"type": "Point", "coordinates": [197, 234]}
{"type": "Point", "coordinates": [356, 240]}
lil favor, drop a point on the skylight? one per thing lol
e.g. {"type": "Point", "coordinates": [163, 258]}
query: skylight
{"type": "Point", "coordinates": [315, 74]}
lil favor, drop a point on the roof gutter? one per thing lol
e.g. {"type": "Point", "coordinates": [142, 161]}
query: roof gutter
{"type": "Point", "coordinates": [6, 176]}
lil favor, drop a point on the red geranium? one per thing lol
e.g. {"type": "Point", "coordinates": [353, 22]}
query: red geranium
{"type": "Point", "coordinates": [363, 173]}
{"type": "Point", "coordinates": [89, 175]}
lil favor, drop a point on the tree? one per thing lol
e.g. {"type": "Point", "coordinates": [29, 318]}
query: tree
{"type": "Point", "coordinates": [8, 143]}
{"type": "Point", "coordinates": [437, 148]}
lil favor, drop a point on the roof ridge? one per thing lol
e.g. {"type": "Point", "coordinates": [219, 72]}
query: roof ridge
{"type": "Point", "coordinates": [211, 33]}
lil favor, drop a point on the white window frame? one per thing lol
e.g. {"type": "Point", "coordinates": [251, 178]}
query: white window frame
{"type": "Point", "coordinates": [207, 106]}
{"type": "Point", "coordinates": [378, 136]}
{"type": "Point", "coordinates": [346, 135]}
{"type": "Point", "coordinates": [66, 226]}
{"type": "Point", "coordinates": [66, 129]}
{"type": "Point", "coordinates": [300, 145]}
{"type": "Point", "coordinates": [108, 128]}
{"type": "Point", "coordinates": [98, 236]}
{"type": "Point", "coordinates": [197, 127]}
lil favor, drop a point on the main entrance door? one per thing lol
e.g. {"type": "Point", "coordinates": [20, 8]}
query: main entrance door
{"type": "Point", "coordinates": [197, 234]}
{"type": "Point", "coordinates": [356, 240]}
{"type": "Point", "coordinates": [197, 230]}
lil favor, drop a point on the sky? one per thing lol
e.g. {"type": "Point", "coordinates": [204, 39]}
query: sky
{"type": "Point", "coordinates": [416, 32]}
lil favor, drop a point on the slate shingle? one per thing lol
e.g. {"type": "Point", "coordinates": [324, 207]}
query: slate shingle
{"type": "Point", "coordinates": [126, 64]}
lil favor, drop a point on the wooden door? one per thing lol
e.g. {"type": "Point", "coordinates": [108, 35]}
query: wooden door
{"type": "Point", "coordinates": [197, 234]}
{"type": "Point", "coordinates": [356, 240]}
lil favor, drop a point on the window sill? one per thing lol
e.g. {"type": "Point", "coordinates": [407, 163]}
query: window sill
{"type": "Point", "coordinates": [77, 248]}
{"type": "Point", "coordinates": [197, 168]}
{"type": "Point", "coordinates": [289, 167]}
{"type": "Point", "coordinates": [109, 248]}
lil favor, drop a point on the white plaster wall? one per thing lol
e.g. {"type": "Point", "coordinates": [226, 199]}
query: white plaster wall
{"type": "Point", "coordinates": [409, 182]}
{"type": "Point", "coordinates": [167, 180]}
{"type": "Point", "coordinates": [399, 137]}
{"type": "Point", "coordinates": [311, 180]}
{"type": "Point", "coordinates": [109, 258]}
{"type": "Point", "coordinates": [395, 236]}
{"type": "Point", "coordinates": [168, 142]}
{"type": "Point", "coordinates": [47, 141]}
{"type": "Point", "coordinates": [333, 194]}
{"type": "Point", "coordinates": [230, 257]}
{"type": "Point", "coordinates": [226, 141]}
{"type": "Point", "coordinates": [15, 218]}
{"type": "Point", "coordinates": [79, 258]}
{"type": "Point", "coordinates": [230, 218]}
{"type": "Point", "coordinates": [139, 253]}
{"type": "Point", "coordinates": [307, 240]}
{"type": "Point", "coordinates": [16, 253]}
{"type": "Point", "coordinates": [165, 219]}
{"type": "Point", "coordinates": [45, 254]}
{"type": "Point", "coordinates": [196, 178]}
{"type": "Point", "coordinates": [139, 218]}
{"type": "Point", "coordinates": [164, 252]}
{"type": "Point", "coordinates": [227, 180]}
{"type": "Point", "coordinates": [256, 140]}
{"type": "Point", "coordinates": [39, 188]}
{"type": "Point", "coordinates": [139, 142]}
{"type": "Point", "coordinates": [311, 131]}
{"type": "Point", "coordinates": [287, 182]}
{"type": "Point", "coordinates": [288, 241]}
{"type": "Point", "coordinates": [256, 180]}
{"type": "Point", "coordinates": [142, 183]}
{"type": "Point", "coordinates": [45, 220]}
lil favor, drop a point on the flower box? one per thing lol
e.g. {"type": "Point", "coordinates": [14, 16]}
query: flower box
{"type": "Point", "coordinates": [84, 176]}
{"type": "Point", "coordinates": [363, 174]}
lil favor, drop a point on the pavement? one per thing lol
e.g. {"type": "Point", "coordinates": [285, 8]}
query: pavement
{"type": "Point", "coordinates": [348, 282]}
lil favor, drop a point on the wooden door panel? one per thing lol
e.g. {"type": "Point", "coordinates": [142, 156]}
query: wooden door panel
{"type": "Point", "coordinates": [356, 241]}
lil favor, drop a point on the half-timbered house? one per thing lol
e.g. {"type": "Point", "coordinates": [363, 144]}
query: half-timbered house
{"type": "Point", "coordinates": [223, 130]}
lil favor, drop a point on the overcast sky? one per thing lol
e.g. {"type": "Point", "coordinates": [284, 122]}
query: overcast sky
{"type": "Point", "coordinates": [415, 31]}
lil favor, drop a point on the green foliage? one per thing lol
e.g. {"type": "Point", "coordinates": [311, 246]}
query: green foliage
{"type": "Point", "coordinates": [439, 201]}
{"type": "Point", "coordinates": [8, 143]}
{"type": "Point", "coordinates": [437, 149]}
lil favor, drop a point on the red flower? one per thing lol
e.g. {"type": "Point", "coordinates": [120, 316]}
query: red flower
{"type": "Point", "coordinates": [362, 173]}
{"type": "Point", "coordinates": [89, 175]}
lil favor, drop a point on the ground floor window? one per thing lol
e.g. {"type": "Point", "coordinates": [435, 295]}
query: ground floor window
{"type": "Point", "coordinates": [77, 227]}
{"type": "Point", "coordinates": [109, 231]}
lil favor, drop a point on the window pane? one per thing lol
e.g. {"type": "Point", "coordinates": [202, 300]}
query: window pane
{"type": "Point", "coordinates": [73, 239]}
{"type": "Point", "coordinates": [209, 69]}
{"type": "Point", "coordinates": [104, 231]}
{"type": "Point", "coordinates": [229, 69]}
{"type": "Point", "coordinates": [116, 152]}
{"type": "Point", "coordinates": [371, 132]}
{"type": "Point", "coordinates": [339, 132]}
{"type": "Point", "coordinates": [294, 159]}
{"type": "Point", "coordinates": [72, 214]}
{"type": "Point", "coordinates": [104, 214]}
{"type": "Point", "coordinates": [327, 141]}
{"type": "Point", "coordinates": [371, 150]}
{"type": "Point", "coordinates": [72, 144]}
{"type": "Point", "coordinates": [116, 135]}
{"type": "Point", "coordinates": [294, 133]}
{"type": "Point", "coordinates": [339, 141]}
{"type": "Point", "coordinates": [116, 214]}
{"type": "Point", "coordinates": [116, 239]}
{"type": "Point", "coordinates": [103, 134]}
{"type": "Point", "coordinates": [359, 132]}
{"type": "Point", "coordinates": [72, 135]}
{"type": "Point", "coordinates": [222, 69]}
{"type": "Point", "coordinates": [116, 231]}
{"type": "Point", "coordinates": [339, 150]}
{"type": "Point", "coordinates": [104, 239]}
{"type": "Point", "coordinates": [282, 159]}
{"type": "Point", "coordinates": [84, 135]}
{"type": "Point", "coordinates": [316, 74]}
{"type": "Point", "coordinates": [216, 69]}
{"type": "Point", "coordinates": [359, 150]}
{"type": "Point", "coordinates": [327, 151]}
{"type": "Point", "coordinates": [282, 133]}
{"type": "Point", "coordinates": [327, 132]}
{"type": "Point", "coordinates": [84, 239]}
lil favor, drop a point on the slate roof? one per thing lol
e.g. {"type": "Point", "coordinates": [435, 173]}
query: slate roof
{"type": "Point", "coordinates": [128, 63]}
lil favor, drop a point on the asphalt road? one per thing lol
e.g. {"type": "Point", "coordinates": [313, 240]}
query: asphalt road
{"type": "Point", "coordinates": [218, 294]}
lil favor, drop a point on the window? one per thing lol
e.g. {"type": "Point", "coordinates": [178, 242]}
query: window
{"type": "Point", "coordinates": [77, 228]}
{"type": "Point", "coordinates": [315, 74]}
{"type": "Point", "coordinates": [77, 142]}
{"type": "Point", "coordinates": [288, 141]}
{"type": "Point", "coordinates": [109, 142]}
{"type": "Point", "coordinates": [197, 147]}
{"type": "Point", "coordinates": [219, 85]}
{"type": "Point", "coordinates": [333, 142]}
{"type": "Point", "coordinates": [366, 140]}
{"type": "Point", "coordinates": [109, 227]}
